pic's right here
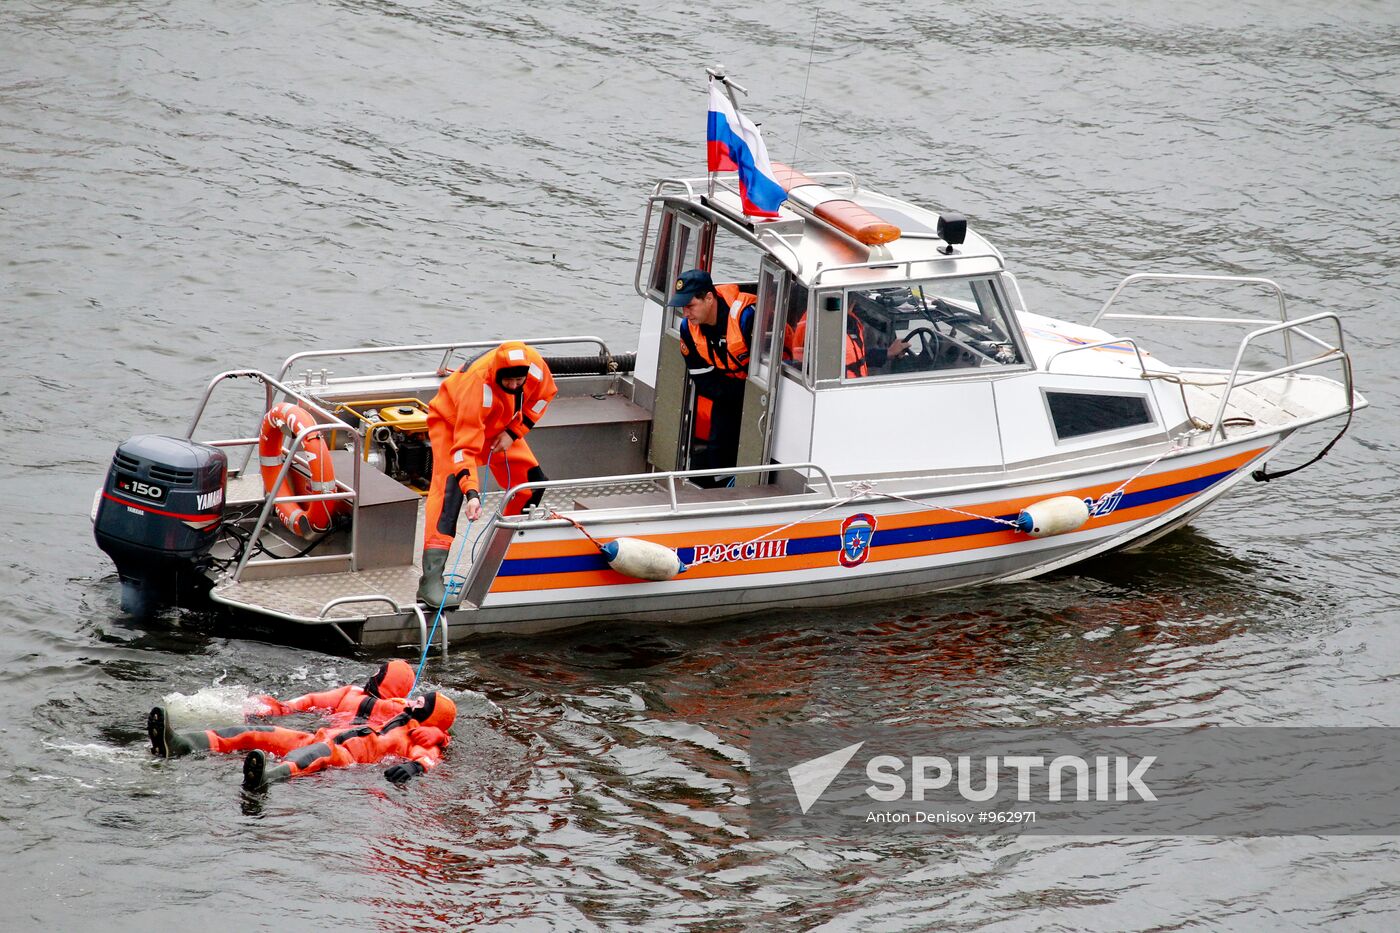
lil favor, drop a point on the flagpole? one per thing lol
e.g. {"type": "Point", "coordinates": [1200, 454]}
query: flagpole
{"type": "Point", "coordinates": [717, 74]}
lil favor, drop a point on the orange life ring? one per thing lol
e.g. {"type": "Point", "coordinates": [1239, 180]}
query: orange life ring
{"type": "Point", "coordinates": [305, 478]}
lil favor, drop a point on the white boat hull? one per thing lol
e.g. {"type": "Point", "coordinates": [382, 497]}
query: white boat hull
{"type": "Point", "coordinates": [552, 578]}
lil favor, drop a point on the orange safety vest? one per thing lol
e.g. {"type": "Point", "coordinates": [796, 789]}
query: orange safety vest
{"type": "Point", "coordinates": [730, 355]}
{"type": "Point", "coordinates": [796, 338]}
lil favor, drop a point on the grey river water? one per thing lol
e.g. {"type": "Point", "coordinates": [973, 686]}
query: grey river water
{"type": "Point", "coordinates": [189, 186]}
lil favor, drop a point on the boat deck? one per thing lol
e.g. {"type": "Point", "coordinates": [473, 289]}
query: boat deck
{"type": "Point", "coordinates": [304, 597]}
{"type": "Point", "coordinates": [1271, 404]}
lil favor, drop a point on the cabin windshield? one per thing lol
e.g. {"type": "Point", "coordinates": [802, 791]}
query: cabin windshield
{"type": "Point", "coordinates": [932, 326]}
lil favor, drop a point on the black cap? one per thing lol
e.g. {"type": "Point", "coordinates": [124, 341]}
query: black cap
{"type": "Point", "coordinates": [691, 284]}
{"type": "Point", "coordinates": [512, 372]}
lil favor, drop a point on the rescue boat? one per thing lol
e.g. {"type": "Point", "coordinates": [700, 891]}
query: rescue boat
{"type": "Point", "coordinates": [999, 445]}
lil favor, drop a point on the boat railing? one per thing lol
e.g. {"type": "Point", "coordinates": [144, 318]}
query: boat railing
{"type": "Point", "coordinates": [413, 609]}
{"type": "Point", "coordinates": [1331, 353]}
{"type": "Point", "coordinates": [909, 264]}
{"type": "Point", "coordinates": [483, 569]}
{"type": "Point", "coordinates": [447, 349]}
{"type": "Point", "coordinates": [1102, 344]}
{"type": "Point", "coordinates": [688, 185]}
{"type": "Point", "coordinates": [1136, 277]}
{"type": "Point", "coordinates": [344, 491]}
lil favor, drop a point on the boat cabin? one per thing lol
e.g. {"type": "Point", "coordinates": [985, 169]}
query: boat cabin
{"type": "Point", "coordinates": [889, 341]}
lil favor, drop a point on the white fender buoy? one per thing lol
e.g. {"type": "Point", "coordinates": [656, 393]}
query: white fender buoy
{"type": "Point", "coordinates": [1053, 516]}
{"type": "Point", "coordinates": [645, 560]}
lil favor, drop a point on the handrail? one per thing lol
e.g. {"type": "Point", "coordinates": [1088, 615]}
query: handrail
{"type": "Point", "coordinates": [777, 237]}
{"type": "Point", "coordinates": [271, 498]}
{"type": "Point", "coordinates": [682, 182]}
{"type": "Point", "coordinates": [266, 380]}
{"type": "Point", "coordinates": [268, 385]}
{"type": "Point", "coordinates": [1185, 277]}
{"type": "Point", "coordinates": [908, 265]}
{"type": "Point", "coordinates": [494, 520]}
{"type": "Point", "coordinates": [381, 598]}
{"type": "Point", "coordinates": [670, 477]}
{"type": "Point", "coordinates": [849, 178]}
{"type": "Point", "coordinates": [332, 423]}
{"type": "Point", "coordinates": [1142, 364]}
{"type": "Point", "coordinates": [642, 246]}
{"type": "Point", "coordinates": [1332, 353]}
{"type": "Point", "coordinates": [446, 347]}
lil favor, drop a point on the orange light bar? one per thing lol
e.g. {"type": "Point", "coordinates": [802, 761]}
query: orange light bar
{"type": "Point", "coordinates": [845, 215]}
{"type": "Point", "coordinates": [852, 219]}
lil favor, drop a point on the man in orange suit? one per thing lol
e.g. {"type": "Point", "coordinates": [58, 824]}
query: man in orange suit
{"type": "Point", "coordinates": [480, 416]}
{"type": "Point", "coordinates": [418, 734]}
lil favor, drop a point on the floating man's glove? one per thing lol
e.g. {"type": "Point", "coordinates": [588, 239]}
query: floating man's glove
{"type": "Point", "coordinates": [402, 774]}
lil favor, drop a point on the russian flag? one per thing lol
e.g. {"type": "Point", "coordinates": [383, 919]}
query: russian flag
{"type": "Point", "coordinates": [734, 144]}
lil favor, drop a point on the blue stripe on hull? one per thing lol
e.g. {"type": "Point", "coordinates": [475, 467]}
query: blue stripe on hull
{"type": "Point", "coordinates": [523, 566]}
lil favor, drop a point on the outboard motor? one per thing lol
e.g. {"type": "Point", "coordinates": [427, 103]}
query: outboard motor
{"type": "Point", "coordinates": [158, 514]}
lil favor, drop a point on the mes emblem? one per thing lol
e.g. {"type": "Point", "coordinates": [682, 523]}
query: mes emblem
{"type": "Point", "coordinates": [856, 534]}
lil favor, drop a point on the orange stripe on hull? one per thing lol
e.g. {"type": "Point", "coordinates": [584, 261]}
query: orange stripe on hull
{"type": "Point", "coordinates": [589, 578]}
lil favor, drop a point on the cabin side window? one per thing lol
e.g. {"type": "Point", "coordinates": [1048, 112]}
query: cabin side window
{"type": "Point", "coordinates": [939, 325]}
{"type": "Point", "coordinates": [732, 260]}
{"type": "Point", "coordinates": [659, 281]}
{"type": "Point", "coordinates": [1079, 414]}
{"type": "Point", "coordinates": [677, 249]}
{"type": "Point", "coordinates": [795, 350]}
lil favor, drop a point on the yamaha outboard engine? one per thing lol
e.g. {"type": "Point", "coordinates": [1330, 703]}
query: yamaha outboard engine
{"type": "Point", "coordinates": [158, 514]}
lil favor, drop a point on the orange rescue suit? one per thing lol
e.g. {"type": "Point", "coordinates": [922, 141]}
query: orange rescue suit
{"type": "Point", "coordinates": [857, 365]}
{"type": "Point", "coordinates": [308, 752]}
{"type": "Point", "coordinates": [378, 701]}
{"type": "Point", "coordinates": [469, 413]}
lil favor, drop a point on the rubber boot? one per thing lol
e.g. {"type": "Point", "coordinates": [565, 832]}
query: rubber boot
{"type": "Point", "coordinates": [166, 742]}
{"type": "Point", "coordinates": [257, 774]}
{"type": "Point", "coordinates": [432, 592]}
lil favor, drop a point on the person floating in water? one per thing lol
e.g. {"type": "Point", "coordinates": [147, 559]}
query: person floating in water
{"type": "Point", "coordinates": [379, 700]}
{"type": "Point", "coordinates": [418, 734]}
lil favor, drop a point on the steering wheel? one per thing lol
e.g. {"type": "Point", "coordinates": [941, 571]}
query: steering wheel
{"type": "Point", "coordinates": [930, 341]}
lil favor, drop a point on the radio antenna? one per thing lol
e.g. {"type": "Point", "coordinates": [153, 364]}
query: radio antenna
{"type": "Point", "coordinates": [805, 81]}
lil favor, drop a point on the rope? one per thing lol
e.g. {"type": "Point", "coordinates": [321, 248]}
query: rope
{"type": "Point", "coordinates": [1262, 475]}
{"type": "Point", "coordinates": [946, 508]}
{"type": "Point", "coordinates": [437, 617]}
{"type": "Point", "coordinates": [554, 514]}
{"type": "Point", "coordinates": [802, 111]}
{"type": "Point", "coordinates": [1176, 445]}
{"type": "Point", "coordinates": [858, 490]}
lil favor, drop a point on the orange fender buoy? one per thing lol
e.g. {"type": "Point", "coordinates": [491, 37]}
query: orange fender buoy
{"type": "Point", "coordinates": [286, 420]}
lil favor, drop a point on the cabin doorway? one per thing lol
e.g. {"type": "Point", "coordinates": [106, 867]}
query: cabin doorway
{"type": "Point", "coordinates": [683, 427]}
